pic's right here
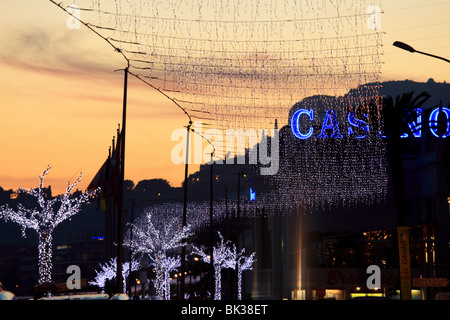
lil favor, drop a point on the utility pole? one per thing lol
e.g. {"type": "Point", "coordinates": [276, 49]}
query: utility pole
{"type": "Point", "coordinates": [226, 202]}
{"type": "Point", "coordinates": [183, 249]}
{"type": "Point", "coordinates": [238, 200]}
{"type": "Point", "coordinates": [122, 189]}
{"type": "Point", "coordinates": [131, 252]}
{"type": "Point", "coordinates": [211, 243]}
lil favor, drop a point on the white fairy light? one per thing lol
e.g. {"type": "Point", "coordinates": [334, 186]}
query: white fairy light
{"type": "Point", "coordinates": [46, 218]}
{"type": "Point", "coordinates": [155, 235]}
{"type": "Point", "coordinates": [164, 265]}
{"type": "Point", "coordinates": [243, 263]}
{"type": "Point", "coordinates": [223, 257]}
{"type": "Point", "coordinates": [108, 271]}
{"type": "Point", "coordinates": [243, 64]}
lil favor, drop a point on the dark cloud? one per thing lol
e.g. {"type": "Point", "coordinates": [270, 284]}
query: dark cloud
{"type": "Point", "coordinates": [62, 51]}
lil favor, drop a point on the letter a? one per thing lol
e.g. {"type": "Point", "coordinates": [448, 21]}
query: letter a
{"type": "Point", "coordinates": [330, 123]}
{"type": "Point", "coordinates": [73, 22]}
{"type": "Point", "coordinates": [180, 152]}
{"type": "Point", "coordinates": [374, 280]}
{"type": "Point", "coordinates": [73, 281]}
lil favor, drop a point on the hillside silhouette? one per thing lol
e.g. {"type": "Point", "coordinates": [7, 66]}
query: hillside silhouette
{"type": "Point", "coordinates": [150, 191]}
{"type": "Point", "coordinates": [439, 91]}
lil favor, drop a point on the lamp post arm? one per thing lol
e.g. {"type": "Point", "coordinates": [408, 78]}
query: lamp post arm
{"type": "Point", "coordinates": [432, 55]}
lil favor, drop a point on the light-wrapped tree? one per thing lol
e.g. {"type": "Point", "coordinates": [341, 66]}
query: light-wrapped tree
{"type": "Point", "coordinates": [243, 263]}
{"type": "Point", "coordinates": [108, 271]}
{"type": "Point", "coordinates": [155, 235]}
{"type": "Point", "coordinates": [224, 256]}
{"type": "Point", "coordinates": [164, 266]}
{"type": "Point", "coordinates": [45, 218]}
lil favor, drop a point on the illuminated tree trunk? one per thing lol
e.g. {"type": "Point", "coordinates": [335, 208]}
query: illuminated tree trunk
{"type": "Point", "coordinates": [165, 265]}
{"type": "Point", "coordinates": [159, 278]}
{"type": "Point", "coordinates": [243, 263]}
{"type": "Point", "coordinates": [167, 285]}
{"type": "Point", "coordinates": [45, 256]}
{"type": "Point", "coordinates": [218, 282]}
{"type": "Point", "coordinates": [239, 281]}
{"type": "Point", "coordinates": [224, 257]}
{"type": "Point", "coordinates": [46, 217]}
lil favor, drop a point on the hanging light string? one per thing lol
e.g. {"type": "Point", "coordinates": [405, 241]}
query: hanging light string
{"type": "Point", "coordinates": [238, 60]}
{"type": "Point", "coordinates": [236, 64]}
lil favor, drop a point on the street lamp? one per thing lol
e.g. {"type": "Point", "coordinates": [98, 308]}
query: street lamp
{"type": "Point", "coordinates": [407, 47]}
{"type": "Point", "coordinates": [181, 288]}
{"type": "Point", "coordinates": [402, 229]}
{"type": "Point", "coordinates": [211, 264]}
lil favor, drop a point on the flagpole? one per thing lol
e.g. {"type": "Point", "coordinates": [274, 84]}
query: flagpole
{"type": "Point", "coordinates": [183, 249]}
{"type": "Point", "coordinates": [121, 188]}
{"type": "Point", "coordinates": [211, 244]}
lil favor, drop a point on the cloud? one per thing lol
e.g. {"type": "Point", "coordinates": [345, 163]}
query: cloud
{"type": "Point", "coordinates": [62, 52]}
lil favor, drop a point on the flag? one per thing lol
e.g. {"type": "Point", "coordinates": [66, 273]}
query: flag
{"type": "Point", "coordinates": [101, 177]}
{"type": "Point", "coordinates": [114, 172]}
{"type": "Point", "coordinates": [107, 178]}
{"type": "Point", "coordinates": [99, 181]}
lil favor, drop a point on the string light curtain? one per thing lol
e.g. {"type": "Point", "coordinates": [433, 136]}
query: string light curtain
{"type": "Point", "coordinates": [244, 64]}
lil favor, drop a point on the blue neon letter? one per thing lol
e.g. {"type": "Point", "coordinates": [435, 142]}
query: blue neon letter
{"type": "Point", "coordinates": [357, 123]}
{"type": "Point", "coordinates": [415, 126]}
{"type": "Point", "coordinates": [295, 123]}
{"type": "Point", "coordinates": [330, 122]}
{"type": "Point", "coordinates": [252, 195]}
{"type": "Point", "coordinates": [434, 121]}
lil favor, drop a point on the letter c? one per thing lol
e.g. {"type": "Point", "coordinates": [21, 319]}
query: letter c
{"type": "Point", "coordinates": [295, 123]}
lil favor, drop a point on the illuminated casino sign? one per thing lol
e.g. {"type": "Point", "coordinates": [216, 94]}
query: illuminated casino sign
{"type": "Point", "coordinates": [302, 124]}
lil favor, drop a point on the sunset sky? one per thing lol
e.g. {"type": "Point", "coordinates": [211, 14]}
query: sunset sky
{"type": "Point", "coordinates": [61, 99]}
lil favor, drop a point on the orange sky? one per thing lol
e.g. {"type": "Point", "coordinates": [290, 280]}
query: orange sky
{"type": "Point", "coordinates": [61, 100]}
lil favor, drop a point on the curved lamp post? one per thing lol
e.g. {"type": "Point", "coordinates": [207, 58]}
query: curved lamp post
{"type": "Point", "coordinates": [403, 233]}
{"type": "Point", "coordinates": [407, 47]}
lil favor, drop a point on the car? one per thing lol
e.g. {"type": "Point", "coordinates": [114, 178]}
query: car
{"type": "Point", "coordinates": [4, 294]}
